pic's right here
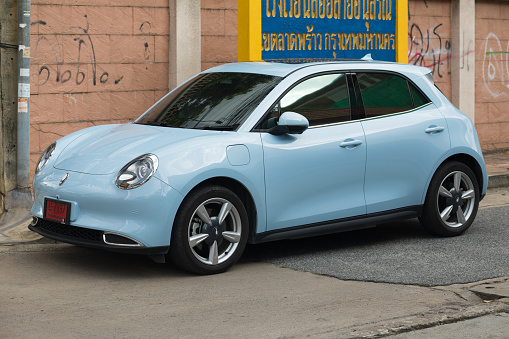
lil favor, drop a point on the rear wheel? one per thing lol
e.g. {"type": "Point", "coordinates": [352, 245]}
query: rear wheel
{"type": "Point", "coordinates": [210, 231]}
{"type": "Point", "coordinates": [452, 200]}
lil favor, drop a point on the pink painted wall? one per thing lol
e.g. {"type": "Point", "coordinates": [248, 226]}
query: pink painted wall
{"type": "Point", "coordinates": [429, 39]}
{"type": "Point", "coordinates": [219, 32]}
{"type": "Point", "coordinates": [429, 45]}
{"type": "Point", "coordinates": [94, 62]}
{"type": "Point", "coordinates": [106, 61]}
{"type": "Point", "coordinates": [492, 73]}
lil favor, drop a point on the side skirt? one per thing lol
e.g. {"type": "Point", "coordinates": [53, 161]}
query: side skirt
{"type": "Point", "coordinates": [339, 225]}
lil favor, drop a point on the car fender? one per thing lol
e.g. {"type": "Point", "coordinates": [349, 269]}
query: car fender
{"type": "Point", "coordinates": [192, 162]}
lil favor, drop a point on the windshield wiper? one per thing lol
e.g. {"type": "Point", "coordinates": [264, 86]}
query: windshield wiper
{"type": "Point", "coordinates": [158, 123]}
{"type": "Point", "coordinates": [218, 128]}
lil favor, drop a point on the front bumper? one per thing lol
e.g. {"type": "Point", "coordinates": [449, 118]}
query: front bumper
{"type": "Point", "coordinates": [144, 214]}
{"type": "Point", "coordinates": [91, 238]}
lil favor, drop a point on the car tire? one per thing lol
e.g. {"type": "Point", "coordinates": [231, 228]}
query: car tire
{"type": "Point", "coordinates": [210, 231]}
{"type": "Point", "coordinates": [452, 200]}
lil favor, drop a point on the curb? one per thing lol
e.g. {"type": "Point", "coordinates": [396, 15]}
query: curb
{"type": "Point", "coordinates": [499, 180]}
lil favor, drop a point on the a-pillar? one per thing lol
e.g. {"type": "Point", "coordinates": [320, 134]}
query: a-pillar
{"type": "Point", "coordinates": [185, 40]}
{"type": "Point", "coordinates": [463, 56]}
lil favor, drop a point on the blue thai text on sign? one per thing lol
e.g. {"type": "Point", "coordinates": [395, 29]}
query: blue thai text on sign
{"type": "Point", "coordinates": [313, 30]}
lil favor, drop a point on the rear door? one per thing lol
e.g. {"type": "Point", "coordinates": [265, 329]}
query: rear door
{"type": "Point", "coordinates": [406, 135]}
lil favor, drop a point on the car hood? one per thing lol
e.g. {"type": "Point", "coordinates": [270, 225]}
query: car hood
{"type": "Point", "coordinates": [106, 151]}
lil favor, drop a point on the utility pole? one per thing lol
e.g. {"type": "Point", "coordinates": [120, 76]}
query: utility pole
{"type": "Point", "coordinates": [8, 98]}
{"type": "Point", "coordinates": [23, 171]}
{"type": "Point", "coordinates": [15, 106]}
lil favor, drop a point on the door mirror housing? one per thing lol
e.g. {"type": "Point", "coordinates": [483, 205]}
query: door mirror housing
{"type": "Point", "coordinates": [290, 123]}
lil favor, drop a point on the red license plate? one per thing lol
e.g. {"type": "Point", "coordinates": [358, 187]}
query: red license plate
{"type": "Point", "coordinates": [56, 210]}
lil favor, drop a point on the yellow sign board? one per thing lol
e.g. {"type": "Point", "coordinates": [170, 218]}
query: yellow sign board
{"type": "Point", "coordinates": [318, 30]}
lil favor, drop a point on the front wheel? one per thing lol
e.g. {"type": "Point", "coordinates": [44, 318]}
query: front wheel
{"type": "Point", "coordinates": [452, 200]}
{"type": "Point", "coordinates": [210, 231]}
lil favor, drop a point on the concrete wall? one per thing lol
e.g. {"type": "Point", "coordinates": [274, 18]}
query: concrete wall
{"type": "Point", "coordinates": [94, 62]}
{"type": "Point", "coordinates": [492, 73]}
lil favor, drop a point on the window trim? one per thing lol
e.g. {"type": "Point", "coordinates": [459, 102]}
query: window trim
{"type": "Point", "coordinates": [397, 113]}
{"type": "Point", "coordinates": [352, 84]}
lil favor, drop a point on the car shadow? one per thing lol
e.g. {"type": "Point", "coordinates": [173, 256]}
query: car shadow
{"type": "Point", "coordinates": [103, 263]}
{"type": "Point", "coordinates": [100, 263]}
{"type": "Point", "coordinates": [378, 235]}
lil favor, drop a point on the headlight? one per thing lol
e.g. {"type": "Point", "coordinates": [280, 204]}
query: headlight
{"type": "Point", "coordinates": [137, 172]}
{"type": "Point", "coordinates": [43, 160]}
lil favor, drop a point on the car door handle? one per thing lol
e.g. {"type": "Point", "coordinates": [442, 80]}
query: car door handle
{"type": "Point", "coordinates": [434, 129]}
{"type": "Point", "coordinates": [350, 143]}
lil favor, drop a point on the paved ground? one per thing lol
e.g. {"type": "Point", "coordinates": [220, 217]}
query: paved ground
{"type": "Point", "coordinates": [62, 291]}
{"type": "Point", "coordinates": [401, 253]}
{"type": "Point", "coordinates": [489, 327]}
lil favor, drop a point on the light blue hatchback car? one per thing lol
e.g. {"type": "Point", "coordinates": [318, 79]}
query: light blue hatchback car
{"type": "Point", "coordinates": [256, 152]}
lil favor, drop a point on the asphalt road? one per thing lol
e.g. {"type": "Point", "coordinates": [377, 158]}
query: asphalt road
{"type": "Point", "coordinates": [401, 253]}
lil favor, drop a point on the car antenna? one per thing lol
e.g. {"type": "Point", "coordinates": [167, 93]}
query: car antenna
{"type": "Point", "coordinates": [367, 57]}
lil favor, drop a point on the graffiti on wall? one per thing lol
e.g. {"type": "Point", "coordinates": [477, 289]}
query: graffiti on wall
{"type": "Point", "coordinates": [54, 69]}
{"type": "Point", "coordinates": [495, 66]}
{"type": "Point", "coordinates": [427, 48]}
{"type": "Point", "coordinates": [145, 28]}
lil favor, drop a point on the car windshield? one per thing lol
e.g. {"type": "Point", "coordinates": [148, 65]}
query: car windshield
{"type": "Point", "coordinates": [219, 101]}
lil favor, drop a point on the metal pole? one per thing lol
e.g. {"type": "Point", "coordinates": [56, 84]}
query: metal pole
{"type": "Point", "coordinates": [23, 145]}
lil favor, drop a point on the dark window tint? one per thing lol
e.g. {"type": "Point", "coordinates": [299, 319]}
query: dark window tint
{"type": "Point", "coordinates": [322, 99]}
{"type": "Point", "coordinates": [384, 93]}
{"type": "Point", "coordinates": [220, 101]}
{"type": "Point", "coordinates": [419, 98]}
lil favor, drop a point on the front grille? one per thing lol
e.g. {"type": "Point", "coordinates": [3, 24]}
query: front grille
{"type": "Point", "coordinates": [78, 233]}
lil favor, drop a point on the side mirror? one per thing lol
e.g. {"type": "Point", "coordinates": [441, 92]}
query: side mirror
{"type": "Point", "coordinates": [290, 123]}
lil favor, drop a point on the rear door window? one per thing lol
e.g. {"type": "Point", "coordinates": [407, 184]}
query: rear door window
{"type": "Point", "coordinates": [384, 93]}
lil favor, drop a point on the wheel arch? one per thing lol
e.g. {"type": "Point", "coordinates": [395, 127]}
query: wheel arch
{"type": "Point", "coordinates": [241, 191]}
{"type": "Point", "coordinates": [470, 162]}
{"type": "Point", "coordinates": [466, 159]}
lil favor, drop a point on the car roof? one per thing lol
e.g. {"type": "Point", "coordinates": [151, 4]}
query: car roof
{"type": "Point", "coordinates": [284, 69]}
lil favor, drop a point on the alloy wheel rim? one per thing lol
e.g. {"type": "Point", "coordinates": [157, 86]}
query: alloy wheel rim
{"type": "Point", "coordinates": [214, 231]}
{"type": "Point", "coordinates": [456, 199]}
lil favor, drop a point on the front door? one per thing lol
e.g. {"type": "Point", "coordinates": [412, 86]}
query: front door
{"type": "Point", "coordinates": [316, 176]}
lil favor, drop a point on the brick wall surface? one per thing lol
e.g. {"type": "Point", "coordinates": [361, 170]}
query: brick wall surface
{"type": "Point", "coordinates": [429, 39]}
{"type": "Point", "coordinates": [218, 32]}
{"type": "Point", "coordinates": [492, 73]}
{"type": "Point", "coordinates": [94, 62]}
